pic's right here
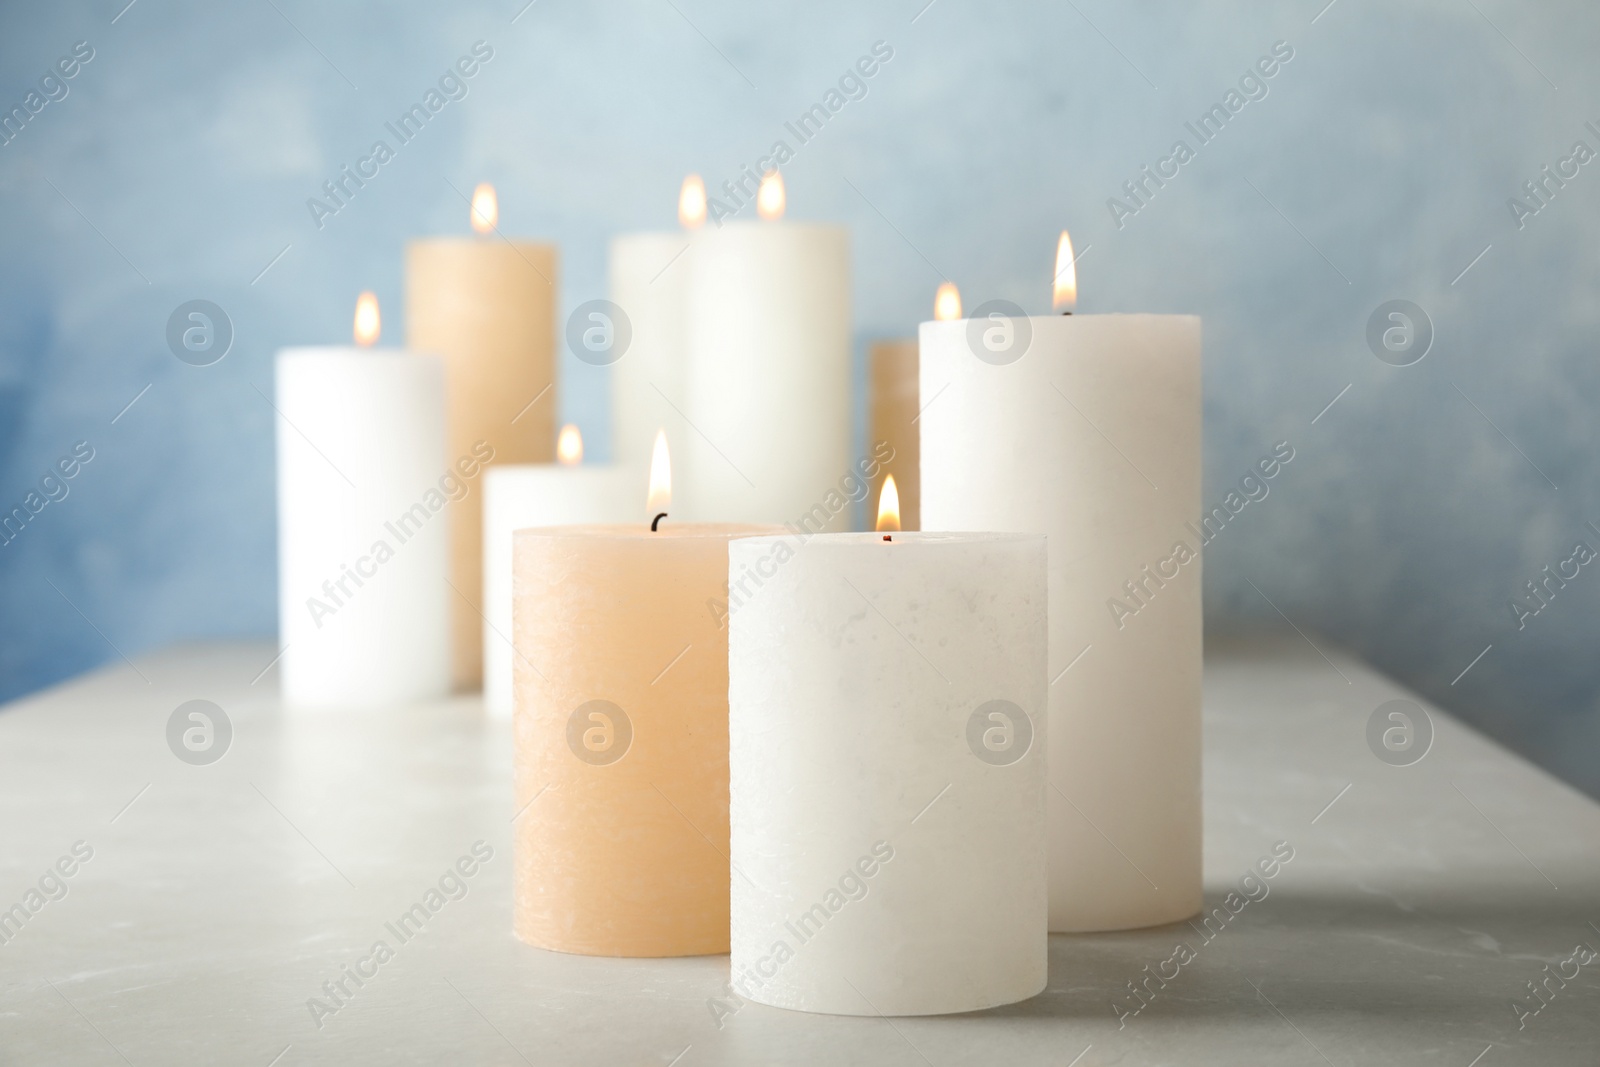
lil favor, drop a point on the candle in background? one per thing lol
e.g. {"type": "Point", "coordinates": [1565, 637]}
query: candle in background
{"type": "Point", "coordinates": [648, 275]}
{"type": "Point", "coordinates": [621, 736]}
{"type": "Point", "coordinates": [767, 390]}
{"type": "Point", "coordinates": [892, 409]}
{"type": "Point", "coordinates": [487, 305]}
{"type": "Point", "coordinates": [886, 733]}
{"type": "Point", "coordinates": [1086, 428]}
{"type": "Point", "coordinates": [362, 548]}
{"type": "Point", "coordinates": [519, 495]}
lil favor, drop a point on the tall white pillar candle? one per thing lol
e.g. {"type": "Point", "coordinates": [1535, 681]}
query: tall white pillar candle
{"type": "Point", "coordinates": [887, 775]}
{"type": "Point", "coordinates": [363, 541]}
{"type": "Point", "coordinates": [766, 409]}
{"type": "Point", "coordinates": [1086, 428]}
{"type": "Point", "coordinates": [522, 495]}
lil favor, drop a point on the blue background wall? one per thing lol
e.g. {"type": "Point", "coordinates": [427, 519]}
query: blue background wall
{"type": "Point", "coordinates": [1378, 166]}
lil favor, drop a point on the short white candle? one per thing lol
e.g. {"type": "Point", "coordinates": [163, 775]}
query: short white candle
{"type": "Point", "coordinates": [1086, 428]}
{"type": "Point", "coordinates": [363, 541]}
{"type": "Point", "coordinates": [568, 492]}
{"type": "Point", "coordinates": [887, 772]}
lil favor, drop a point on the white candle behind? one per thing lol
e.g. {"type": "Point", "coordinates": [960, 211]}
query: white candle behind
{"type": "Point", "coordinates": [882, 865]}
{"type": "Point", "coordinates": [363, 546]}
{"type": "Point", "coordinates": [767, 400]}
{"type": "Point", "coordinates": [1089, 432]}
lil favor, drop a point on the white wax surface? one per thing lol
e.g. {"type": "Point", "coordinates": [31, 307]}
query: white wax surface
{"type": "Point", "coordinates": [517, 496]}
{"type": "Point", "coordinates": [649, 275]}
{"type": "Point", "coordinates": [1093, 438]}
{"type": "Point", "coordinates": [360, 445]}
{"type": "Point", "coordinates": [854, 667]}
{"type": "Point", "coordinates": [767, 335]}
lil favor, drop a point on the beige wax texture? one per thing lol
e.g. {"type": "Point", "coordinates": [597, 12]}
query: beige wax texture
{"type": "Point", "coordinates": [892, 417]}
{"type": "Point", "coordinates": [487, 307]}
{"type": "Point", "coordinates": [621, 737]}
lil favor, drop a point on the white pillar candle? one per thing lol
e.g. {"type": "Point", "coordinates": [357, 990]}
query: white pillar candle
{"type": "Point", "coordinates": [887, 772]}
{"type": "Point", "coordinates": [522, 495]}
{"type": "Point", "coordinates": [767, 392]}
{"type": "Point", "coordinates": [1086, 428]}
{"type": "Point", "coordinates": [363, 544]}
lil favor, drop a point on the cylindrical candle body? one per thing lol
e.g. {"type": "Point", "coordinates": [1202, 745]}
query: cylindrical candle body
{"type": "Point", "coordinates": [488, 307]}
{"type": "Point", "coordinates": [892, 418]}
{"type": "Point", "coordinates": [649, 272]}
{"type": "Point", "coordinates": [886, 752]}
{"type": "Point", "coordinates": [362, 547]}
{"type": "Point", "coordinates": [521, 495]}
{"type": "Point", "coordinates": [621, 836]}
{"type": "Point", "coordinates": [768, 385]}
{"type": "Point", "coordinates": [1086, 428]}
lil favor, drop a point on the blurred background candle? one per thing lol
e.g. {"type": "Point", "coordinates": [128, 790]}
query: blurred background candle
{"type": "Point", "coordinates": [362, 548]}
{"type": "Point", "coordinates": [1086, 428]}
{"type": "Point", "coordinates": [621, 734]}
{"type": "Point", "coordinates": [648, 275]}
{"type": "Point", "coordinates": [767, 391]}
{"type": "Point", "coordinates": [517, 495]}
{"type": "Point", "coordinates": [886, 700]}
{"type": "Point", "coordinates": [487, 305]}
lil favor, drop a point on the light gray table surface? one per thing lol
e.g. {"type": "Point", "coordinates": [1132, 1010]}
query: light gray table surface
{"type": "Point", "coordinates": [1420, 902]}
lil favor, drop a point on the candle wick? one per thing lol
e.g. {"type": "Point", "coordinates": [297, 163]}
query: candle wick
{"type": "Point", "coordinates": [886, 537]}
{"type": "Point", "coordinates": [657, 522]}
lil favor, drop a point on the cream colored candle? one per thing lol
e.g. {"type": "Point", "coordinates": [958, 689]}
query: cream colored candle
{"type": "Point", "coordinates": [767, 393]}
{"type": "Point", "coordinates": [887, 756]}
{"type": "Point", "coordinates": [520, 495]}
{"type": "Point", "coordinates": [1086, 428]}
{"type": "Point", "coordinates": [487, 305]}
{"type": "Point", "coordinates": [621, 735]}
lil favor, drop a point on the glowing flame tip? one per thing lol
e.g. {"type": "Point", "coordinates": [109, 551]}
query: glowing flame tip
{"type": "Point", "coordinates": [771, 200]}
{"type": "Point", "coordinates": [692, 203]}
{"type": "Point", "coordinates": [947, 303]}
{"type": "Point", "coordinates": [485, 208]}
{"type": "Point", "coordinates": [888, 506]}
{"type": "Point", "coordinates": [368, 325]}
{"type": "Point", "coordinates": [660, 494]}
{"type": "Point", "coordinates": [1065, 295]}
{"type": "Point", "coordinates": [569, 446]}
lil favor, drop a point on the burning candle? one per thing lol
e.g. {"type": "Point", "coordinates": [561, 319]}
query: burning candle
{"type": "Point", "coordinates": [886, 700]}
{"type": "Point", "coordinates": [518, 495]}
{"type": "Point", "coordinates": [362, 548]}
{"type": "Point", "coordinates": [621, 735]}
{"type": "Point", "coordinates": [766, 400]}
{"type": "Point", "coordinates": [487, 305]}
{"type": "Point", "coordinates": [1100, 415]}
{"type": "Point", "coordinates": [647, 276]}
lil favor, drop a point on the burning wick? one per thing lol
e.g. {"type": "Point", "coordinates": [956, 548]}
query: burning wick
{"type": "Point", "coordinates": [1065, 295]}
{"type": "Point", "coordinates": [660, 495]}
{"type": "Point", "coordinates": [656, 522]}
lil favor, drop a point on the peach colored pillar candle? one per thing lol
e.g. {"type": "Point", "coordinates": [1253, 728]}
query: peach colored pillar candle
{"type": "Point", "coordinates": [621, 735]}
{"type": "Point", "coordinates": [487, 306]}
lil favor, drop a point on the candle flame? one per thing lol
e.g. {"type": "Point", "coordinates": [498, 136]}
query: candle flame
{"type": "Point", "coordinates": [888, 506]}
{"type": "Point", "coordinates": [692, 203]}
{"type": "Point", "coordinates": [947, 303]}
{"type": "Point", "coordinates": [368, 325]}
{"type": "Point", "coordinates": [1065, 297]}
{"type": "Point", "coordinates": [485, 208]}
{"type": "Point", "coordinates": [770, 198]}
{"type": "Point", "coordinates": [660, 496]}
{"type": "Point", "coordinates": [569, 446]}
